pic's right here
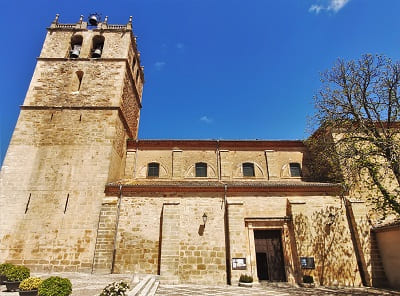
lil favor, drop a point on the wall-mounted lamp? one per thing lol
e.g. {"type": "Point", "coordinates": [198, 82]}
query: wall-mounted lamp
{"type": "Point", "coordinates": [204, 219]}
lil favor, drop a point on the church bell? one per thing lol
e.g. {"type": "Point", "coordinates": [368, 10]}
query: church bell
{"type": "Point", "coordinates": [74, 53]}
{"type": "Point", "coordinates": [93, 20]}
{"type": "Point", "coordinates": [97, 53]}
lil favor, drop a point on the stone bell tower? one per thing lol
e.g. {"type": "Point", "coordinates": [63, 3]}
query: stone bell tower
{"type": "Point", "coordinates": [82, 105]}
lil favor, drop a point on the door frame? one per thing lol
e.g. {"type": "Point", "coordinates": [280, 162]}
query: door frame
{"type": "Point", "coordinates": [272, 223]}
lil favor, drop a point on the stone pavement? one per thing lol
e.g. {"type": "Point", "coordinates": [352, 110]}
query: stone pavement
{"type": "Point", "coordinates": [264, 289]}
{"type": "Point", "coordinates": [84, 284]}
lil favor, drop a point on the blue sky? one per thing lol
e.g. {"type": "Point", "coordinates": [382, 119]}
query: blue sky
{"type": "Point", "coordinates": [225, 69]}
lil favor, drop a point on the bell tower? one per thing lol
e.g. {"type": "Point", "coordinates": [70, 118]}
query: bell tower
{"type": "Point", "coordinates": [82, 104]}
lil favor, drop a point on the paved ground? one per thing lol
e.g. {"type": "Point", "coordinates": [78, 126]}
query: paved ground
{"type": "Point", "coordinates": [264, 289]}
{"type": "Point", "coordinates": [91, 285]}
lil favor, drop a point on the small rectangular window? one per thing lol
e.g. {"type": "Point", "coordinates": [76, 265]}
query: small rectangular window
{"type": "Point", "coordinates": [295, 169]}
{"type": "Point", "coordinates": [201, 169]}
{"type": "Point", "coordinates": [153, 170]}
{"type": "Point", "coordinates": [248, 169]}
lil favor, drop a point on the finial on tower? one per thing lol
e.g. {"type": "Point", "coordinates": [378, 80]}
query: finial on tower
{"type": "Point", "coordinates": [55, 21]}
{"type": "Point", "coordinates": [81, 19]}
{"type": "Point", "coordinates": [129, 25]}
{"type": "Point", "coordinates": [106, 19]}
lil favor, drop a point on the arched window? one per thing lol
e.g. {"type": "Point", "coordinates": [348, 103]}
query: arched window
{"type": "Point", "coordinates": [248, 169]}
{"type": "Point", "coordinates": [295, 169]}
{"type": "Point", "coordinates": [201, 169]}
{"type": "Point", "coordinates": [97, 46]}
{"type": "Point", "coordinates": [76, 45]}
{"type": "Point", "coordinates": [77, 81]}
{"type": "Point", "coordinates": [153, 170]}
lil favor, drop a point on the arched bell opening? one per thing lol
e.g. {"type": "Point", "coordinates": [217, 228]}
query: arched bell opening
{"type": "Point", "coordinates": [97, 46]}
{"type": "Point", "coordinates": [76, 45]}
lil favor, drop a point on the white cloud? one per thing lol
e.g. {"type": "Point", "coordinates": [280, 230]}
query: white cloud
{"type": "Point", "coordinates": [315, 8]}
{"type": "Point", "coordinates": [328, 5]}
{"type": "Point", "coordinates": [206, 119]}
{"type": "Point", "coordinates": [336, 5]}
{"type": "Point", "coordinates": [159, 65]}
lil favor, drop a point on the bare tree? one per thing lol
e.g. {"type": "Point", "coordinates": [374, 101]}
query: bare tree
{"type": "Point", "coordinates": [358, 111]}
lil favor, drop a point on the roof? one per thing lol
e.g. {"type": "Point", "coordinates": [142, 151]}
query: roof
{"type": "Point", "coordinates": [260, 145]}
{"type": "Point", "coordinates": [132, 186]}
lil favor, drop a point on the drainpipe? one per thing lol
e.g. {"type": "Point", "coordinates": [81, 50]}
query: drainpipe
{"type": "Point", "coordinates": [136, 156]}
{"type": "Point", "coordinates": [227, 240]}
{"type": "Point", "coordinates": [116, 229]}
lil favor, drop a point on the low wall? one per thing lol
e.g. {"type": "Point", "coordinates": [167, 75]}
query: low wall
{"type": "Point", "coordinates": [388, 238]}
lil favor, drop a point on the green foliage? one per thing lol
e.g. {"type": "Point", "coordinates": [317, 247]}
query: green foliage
{"type": "Point", "coordinates": [244, 278]}
{"type": "Point", "coordinates": [115, 289]}
{"type": "Point", "coordinates": [4, 267]}
{"type": "Point", "coordinates": [358, 106]}
{"type": "Point", "coordinates": [55, 286]}
{"type": "Point", "coordinates": [17, 273]}
{"type": "Point", "coordinates": [308, 279]}
{"type": "Point", "coordinates": [31, 283]}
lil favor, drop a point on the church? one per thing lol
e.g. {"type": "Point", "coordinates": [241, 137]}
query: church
{"type": "Point", "coordinates": [80, 192]}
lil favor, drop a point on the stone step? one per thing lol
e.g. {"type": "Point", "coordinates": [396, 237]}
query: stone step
{"type": "Point", "coordinates": [147, 286]}
{"type": "Point", "coordinates": [154, 289]}
{"type": "Point", "coordinates": [135, 291]}
{"type": "Point", "coordinates": [146, 290]}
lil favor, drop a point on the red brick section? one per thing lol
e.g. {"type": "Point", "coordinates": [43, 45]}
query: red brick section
{"type": "Point", "coordinates": [252, 145]}
{"type": "Point", "coordinates": [128, 189]}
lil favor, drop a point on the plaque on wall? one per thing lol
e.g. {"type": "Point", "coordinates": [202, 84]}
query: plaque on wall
{"type": "Point", "coordinates": [238, 263]}
{"type": "Point", "coordinates": [307, 262]}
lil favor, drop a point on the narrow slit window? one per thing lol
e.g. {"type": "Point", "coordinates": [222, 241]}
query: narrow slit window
{"type": "Point", "coordinates": [295, 169]}
{"type": "Point", "coordinates": [77, 81]}
{"type": "Point", "coordinates": [201, 169]}
{"type": "Point", "coordinates": [133, 63]}
{"type": "Point", "coordinates": [137, 74]}
{"type": "Point", "coordinates": [97, 46]}
{"type": "Point", "coordinates": [76, 45]}
{"type": "Point", "coordinates": [248, 169]}
{"type": "Point", "coordinates": [79, 75]}
{"type": "Point", "coordinates": [153, 170]}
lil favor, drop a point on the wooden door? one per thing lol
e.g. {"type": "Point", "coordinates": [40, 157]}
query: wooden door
{"type": "Point", "coordinates": [269, 255]}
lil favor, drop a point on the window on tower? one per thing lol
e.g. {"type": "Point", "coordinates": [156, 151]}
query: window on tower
{"type": "Point", "coordinates": [137, 74]}
{"type": "Point", "coordinates": [77, 81]}
{"type": "Point", "coordinates": [76, 45]}
{"type": "Point", "coordinates": [133, 64]}
{"type": "Point", "coordinates": [201, 169]}
{"type": "Point", "coordinates": [97, 46]}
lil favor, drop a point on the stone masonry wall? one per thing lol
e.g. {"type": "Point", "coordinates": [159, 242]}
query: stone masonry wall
{"type": "Point", "coordinates": [180, 164]}
{"type": "Point", "coordinates": [329, 242]}
{"type": "Point", "coordinates": [142, 240]}
{"type": "Point", "coordinates": [49, 181]}
{"type": "Point", "coordinates": [101, 84]}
